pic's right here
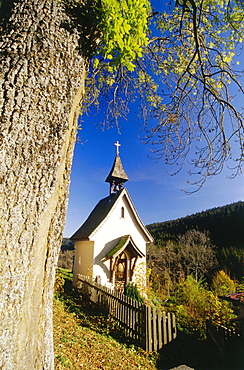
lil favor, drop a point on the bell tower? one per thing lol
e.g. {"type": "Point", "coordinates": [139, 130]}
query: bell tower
{"type": "Point", "coordinates": [117, 176]}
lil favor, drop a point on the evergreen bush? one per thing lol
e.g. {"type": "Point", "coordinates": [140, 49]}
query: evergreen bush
{"type": "Point", "coordinates": [132, 291]}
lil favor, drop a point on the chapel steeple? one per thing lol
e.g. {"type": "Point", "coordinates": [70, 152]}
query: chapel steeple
{"type": "Point", "coordinates": [117, 176]}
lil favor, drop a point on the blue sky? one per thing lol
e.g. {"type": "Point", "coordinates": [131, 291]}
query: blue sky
{"type": "Point", "coordinates": [157, 196]}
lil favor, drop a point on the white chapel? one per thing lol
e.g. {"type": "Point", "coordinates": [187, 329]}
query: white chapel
{"type": "Point", "coordinates": [111, 243]}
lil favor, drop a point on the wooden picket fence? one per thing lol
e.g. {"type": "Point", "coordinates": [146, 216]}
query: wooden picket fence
{"type": "Point", "coordinates": [145, 325]}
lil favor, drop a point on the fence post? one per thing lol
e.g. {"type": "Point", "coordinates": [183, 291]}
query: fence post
{"type": "Point", "coordinates": [165, 337]}
{"type": "Point", "coordinates": [160, 334]}
{"type": "Point", "coordinates": [148, 325]}
{"type": "Point", "coordinates": [169, 327]}
{"type": "Point", "coordinates": [154, 327]}
{"type": "Point", "coordinates": [174, 328]}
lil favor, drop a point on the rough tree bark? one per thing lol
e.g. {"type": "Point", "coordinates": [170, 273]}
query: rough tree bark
{"type": "Point", "coordinates": [42, 83]}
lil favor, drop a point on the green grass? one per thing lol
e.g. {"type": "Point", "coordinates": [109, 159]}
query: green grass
{"type": "Point", "coordinates": [66, 274]}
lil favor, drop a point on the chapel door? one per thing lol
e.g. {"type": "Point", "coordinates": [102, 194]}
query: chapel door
{"type": "Point", "coordinates": [121, 273]}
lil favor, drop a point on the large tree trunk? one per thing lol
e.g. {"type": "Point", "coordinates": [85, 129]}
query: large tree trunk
{"type": "Point", "coordinates": [42, 84]}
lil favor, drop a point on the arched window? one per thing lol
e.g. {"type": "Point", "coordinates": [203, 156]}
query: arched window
{"type": "Point", "coordinates": [122, 212]}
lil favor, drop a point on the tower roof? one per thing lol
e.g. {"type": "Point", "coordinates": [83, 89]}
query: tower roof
{"type": "Point", "coordinates": [117, 173]}
{"type": "Point", "coordinates": [117, 176]}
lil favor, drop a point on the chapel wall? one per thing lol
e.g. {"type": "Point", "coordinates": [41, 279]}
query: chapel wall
{"type": "Point", "coordinates": [84, 253]}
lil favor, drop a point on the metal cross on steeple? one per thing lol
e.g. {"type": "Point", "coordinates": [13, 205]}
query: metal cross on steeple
{"type": "Point", "coordinates": [117, 144]}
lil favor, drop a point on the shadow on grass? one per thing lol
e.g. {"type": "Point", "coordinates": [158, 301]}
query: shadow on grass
{"type": "Point", "coordinates": [186, 350]}
{"type": "Point", "coordinates": [89, 314]}
{"type": "Point", "coordinates": [201, 354]}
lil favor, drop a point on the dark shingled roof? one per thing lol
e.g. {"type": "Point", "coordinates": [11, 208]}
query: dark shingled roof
{"type": "Point", "coordinates": [96, 217]}
{"type": "Point", "coordinates": [117, 172]}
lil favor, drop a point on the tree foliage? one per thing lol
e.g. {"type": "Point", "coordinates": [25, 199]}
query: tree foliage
{"type": "Point", "coordinates": [186, 79]}
{"type": "Point", "coordinates": [196, 59]}
{"type": "Point", "coordinates": [197, 252]}
{"type": "Point", "coordinates": [232, 260]}
{"type": "Point", "coordinates": [116, 31]}
{"type": "Point", "coordinates": [165, 266]}
{"type": "Point", "coordinates": [194, 255]}
{"type": "Point", "coordinates": [124, 29]}
{"type": "Point", "coordinates": [66, 259]}
{"type": "Point", "coordinates": [222, 284]}
{"type": "Point", "coordinates": [196, 304]}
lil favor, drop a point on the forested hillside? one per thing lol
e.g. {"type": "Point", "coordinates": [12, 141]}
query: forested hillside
{"type": "Point", "coordinates": [226, 230]}
{"type": "Point", "coordinates": [225, 224]}
{"type": "Point", "coordinates": [67, 244]}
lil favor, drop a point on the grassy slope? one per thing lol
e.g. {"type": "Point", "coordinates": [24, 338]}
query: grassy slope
{"type": "Point", "coordinates": [78, 347]}
{"type": "Point", "coordinates": [82, 341]}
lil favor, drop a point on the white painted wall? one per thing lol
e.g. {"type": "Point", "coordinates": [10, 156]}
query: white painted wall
{"type": "Point", "coordinates": [104, 238]}
{"type": "Point", "coordinates": [109, 233]}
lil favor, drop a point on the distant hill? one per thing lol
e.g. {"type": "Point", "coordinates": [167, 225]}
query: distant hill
{"type": "Point", "coordinates": [226, 227]}
{"type": "Point", "coordinates": [225, 224]}
{"type": "Point", "coordinates": [67, 244]}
